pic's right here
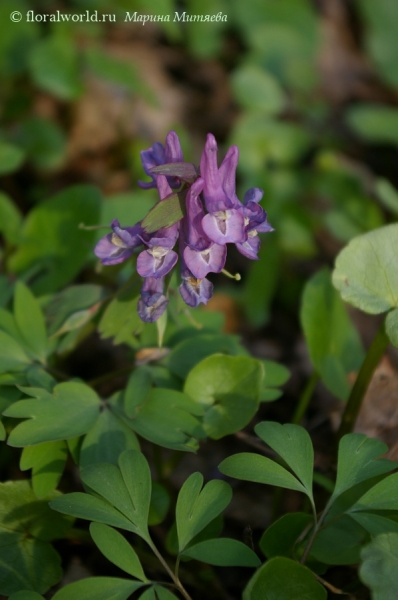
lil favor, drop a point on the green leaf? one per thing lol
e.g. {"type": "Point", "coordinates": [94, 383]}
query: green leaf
{"type": "Point", "coordinates": [116, 548]}
{"type": "Point", "coordinates": [379, 568]}
{"type": "Point", "coordinates": [54, 67]}
{"type": "Point", "coordinates": [10, 219]}
{"type": "Point", "coordinates": [391, 325]}
{"type": "Point", "coordinates": [71, 411]}
{"type": "Point", "coordinates": [228, 388]}
{"type": "Point", "coordinates": [51, 238]}
{"type": "Point", "coordinates": [26, 526]}
{"type": "Point", "coordinates": [85, 506]}
{"type": "Point", "coordinates": [339, 543]}
{"type": "Point", "coordinates": [73, 307]}
{"type": "Point", "coordinates": [255, 89]}
{"type": "Point", "coordinates": [189, 352]}
{"type": "Point", "coordinates": [11, 158]}
{"type": "Point", "coordinates": [44, 142]}
{"type": "Point", "coordinates": [99, 588]}
{"type": "Point", "coordinates": [157, 592]}
{"type": "Point", "coordinates": [365, 273]}
{"type": "Point", "coordinates": [375, 524]}
{"type": "Point", "coordinates": [137, 479]}
{"type": "Point", "coordinates": [223, 552]}
{"type": "Point", "coordinates": [137, 390]}
{"type": "Point", "coordinates": [275, 374]}
{"type": "Point", "coordinates": [120, 319]}
{"type": "Point", "coordinates": [381, 496]}
{"type": "Point", "coordinates": [106, 480]}
{"type": "Point", "coordinates": [106, 440]}
{"type": "Point", "coordinates": [357, 461]}
{"type": "Point", "coordinates": [165, 213]}
{"type": "Point", "coordinates": [167, 418]}
{"type": "Point", "coordinates": [374, 123]}
{"type": "Point", "coordinates": [270, 140]}
{"type": "Point", "coordinates": [30, 563]}
{"type": "Point", "coordinates": [122, 73]}
{"type": "Point", "coordinates": [196, 507]}
{"type": "Point", "coordinates": [334, 344]}
{"type": "Point", "coordinates": [281, 577]}
{"type": "Point", "coordinates": [30, 321]}
{"type": "Point", "coordinates": [380, 37]}
{"type": "Point", "coordinates": [26, 595]}
{"type": "Point", "coordinates": [387, 194]}
{"type": "Point", "coordinates": [253, 467]}
{"type": "Point", "coordinates": [294, 445]}
{"type": "Point", "coordinates": [12, 355]}
{"type": "Point", "coordinates": [281, 537]}
{"type": "Point", "coordinates": [47, 462]}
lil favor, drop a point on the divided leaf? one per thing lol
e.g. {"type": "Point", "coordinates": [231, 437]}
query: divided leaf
{"type": "Point", "coordinates": [294, 445]}
{"type": "Point", "coordinates": [253, 467]}
{"type": "Point", "coordinates": [382, 496]}
{"type": "Point", "coordinates": [196, 507]}
{"type": "Point", "coordinates": [106, 440]}
{"type": "Point", "coordinates": [223, 552]}
{"type": "Point", "coordinates": [71, 411]}
{"type": "Point", "coordinates": [26, 527]}
{"type": "Point", "coordinates": [30, 321]}
{"type": "Point", "coordinates": [357, 461]}
{"type": "Point", "coordinates": [333, 342]}
{"type": "Point", "coordinates": [116, 548]}
{"type": "Point", "coordinates": [99, 588]}
{"type": "Point", "coordinates": [125, 494]}
{"type": "Point", "coordinates": [47, 462]}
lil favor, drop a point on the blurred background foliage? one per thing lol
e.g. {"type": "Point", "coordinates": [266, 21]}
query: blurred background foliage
{"type": "Point", "coordinates": [307, 89]}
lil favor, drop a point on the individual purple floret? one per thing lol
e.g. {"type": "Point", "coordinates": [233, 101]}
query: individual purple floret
{"type": "Point", "coordinates": [159, 155]}
{"type": "Point", "coordinates": [159, 258]}
{"type": "Point", "coordinates": [225, 222]}
{"type": "Point", "coordinates": [201, 255]}
{"type": "Point", "coordinates": [119, 245]}
{"type": "Point", "coordinates": [153, 302]}
{"type": "Point", "coordinates": [194, 291]}
{"type": "Point", "coordinates": [255, 222]}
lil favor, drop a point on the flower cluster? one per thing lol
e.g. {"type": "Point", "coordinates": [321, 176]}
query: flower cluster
{"type": "Point", "coordinates": [214, 217]}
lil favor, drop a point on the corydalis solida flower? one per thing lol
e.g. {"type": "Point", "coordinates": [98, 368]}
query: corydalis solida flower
{"type": "Point", "coordinates": [213, 218]}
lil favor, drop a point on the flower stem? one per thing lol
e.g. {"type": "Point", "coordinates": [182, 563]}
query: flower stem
{"type": "Point", "coordinates": [372, 359]}
{"type": "Point", "coordinates": [305, 398]}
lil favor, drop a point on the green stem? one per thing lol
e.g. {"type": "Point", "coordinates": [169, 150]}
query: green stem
{"type": "Point", "coordinates": [372, 359]}
{"type": "Point", "coordinates": [305, 398]}
{"type": "Point", "coordinates": [173, 576]}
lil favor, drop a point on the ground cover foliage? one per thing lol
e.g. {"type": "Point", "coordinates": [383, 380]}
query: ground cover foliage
{"type": "Point", "coordinates": [242, 449]}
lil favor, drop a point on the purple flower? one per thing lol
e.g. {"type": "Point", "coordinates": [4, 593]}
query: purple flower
{"type": "Point", "coordinates": [159, 155]}
{"type": "Point", "coordinates": [159, 258]}
{"type": "Point", "coordinates": [119, 245]}
{"type": "Point", "coordinates": [194, 291]}
{"type": "Point", "coordinates": [255, 219]}
{"type": "Point", "coordinates": [153, 302]}
{"type": "Point", "coordinates": [201, 255]}
{"type": "Point", "coordinates": [225, 222]}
